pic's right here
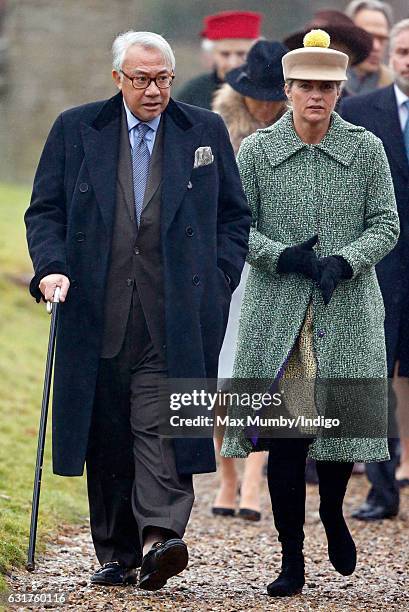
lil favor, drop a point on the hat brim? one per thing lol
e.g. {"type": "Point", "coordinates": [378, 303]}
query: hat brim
{"type": "Point", "coordinates": [356, 40]}
{"type": "Point", "coordinates": [246, 87]}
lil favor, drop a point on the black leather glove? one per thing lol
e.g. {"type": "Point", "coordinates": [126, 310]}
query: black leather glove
{"type": "Point", "coordinates": [300, 259]}
{"type": "Point", "coordinates": [332, 269]}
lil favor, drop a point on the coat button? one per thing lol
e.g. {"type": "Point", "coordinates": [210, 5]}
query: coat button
{"type": "Point", "coordinates": [136, 251]}
{"type": "Point", "coordinates": [189, 230]}
{"type": "Point", "coordinates": [189, 185]}
{"type": "Point", "coordinates": [84, 187]}
{"type": "Point", "coordinates": [80, 237]}
{"type": "Point", "coordinates": [195, 279]}
{"type": "Point", "coordinates": [129, 282]}
{"type": "Point", "coordinates": [321, 333]}
{"type": "Point", "coordinates": [74, 284]}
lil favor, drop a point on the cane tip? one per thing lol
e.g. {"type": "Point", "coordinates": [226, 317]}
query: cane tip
{"type": "Point", "coordinates": [30, 566]}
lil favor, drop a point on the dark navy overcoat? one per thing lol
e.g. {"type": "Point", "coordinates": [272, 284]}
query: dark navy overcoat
{"type": "Point", "coordinates": [69, 230]}
{"type": "Point", "coordinates": [378, 112]}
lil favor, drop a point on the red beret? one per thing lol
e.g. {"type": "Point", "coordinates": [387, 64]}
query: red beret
{"type": "Point", "coordinates": [232, 24]}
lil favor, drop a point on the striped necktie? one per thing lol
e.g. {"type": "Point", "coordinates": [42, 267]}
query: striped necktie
{"type": "Point", "coordinates": [406, 131]}
{"type": "Point", "coordinates": [140, 166]}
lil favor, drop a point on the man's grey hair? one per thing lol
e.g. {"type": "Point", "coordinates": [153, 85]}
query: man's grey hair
{"type": "Point", "coordinates": [371, 5]}
{"type": "Point", "coordinates": [147, 40]}
{"type": "Point", "coordinates": [399, 27]}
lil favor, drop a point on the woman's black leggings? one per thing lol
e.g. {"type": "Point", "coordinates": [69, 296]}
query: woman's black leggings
{"type": "Point", "coordinates": [286, 483]}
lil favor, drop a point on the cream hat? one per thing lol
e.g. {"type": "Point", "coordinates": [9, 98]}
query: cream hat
{"type": "Point", "coordinates": [314, 61]}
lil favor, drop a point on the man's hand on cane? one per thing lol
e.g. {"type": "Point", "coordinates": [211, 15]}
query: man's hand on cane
{"type": "Point", "coordinates": [50, 282]}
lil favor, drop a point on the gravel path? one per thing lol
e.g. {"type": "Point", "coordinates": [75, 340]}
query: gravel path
{"type": "Point", "coordinates": [232, 561]}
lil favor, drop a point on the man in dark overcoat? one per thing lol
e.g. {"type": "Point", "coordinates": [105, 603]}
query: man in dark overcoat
{"type": "Point", "coordinates": [385, 112]}
{"type": "Point", "coordinates": [138, 214]}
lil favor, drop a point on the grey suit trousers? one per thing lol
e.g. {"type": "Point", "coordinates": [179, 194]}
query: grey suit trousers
{"type": "Point", "coordinates": [131, 474]}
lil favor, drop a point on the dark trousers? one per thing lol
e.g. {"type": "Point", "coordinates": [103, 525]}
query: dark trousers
{"type": "Point", "coordinates": [384, 489]}
{"type": "Point", "coordinates": [131, 474]}
{"type": "Point", "coordinates": [286, 483]}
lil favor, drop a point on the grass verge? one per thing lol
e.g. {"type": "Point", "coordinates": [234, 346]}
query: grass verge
{"type": "Point", "coordinates": [24, 327]}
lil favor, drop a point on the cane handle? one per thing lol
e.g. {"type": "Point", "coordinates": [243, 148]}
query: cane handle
{"type": "Point", "coordinates": [56, 299]}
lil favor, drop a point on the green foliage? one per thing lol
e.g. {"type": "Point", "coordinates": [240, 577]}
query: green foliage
{"type": "Point", "coordinates": [24, 327]}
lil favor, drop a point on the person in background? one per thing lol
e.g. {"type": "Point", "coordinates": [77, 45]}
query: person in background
{"type": "Point", "coordinates": [345, 35]}
{"type": "Point", "coordinates": [227, 36]}
{"type": "Point", "coordinates": [376, 18]}
{"type": "Point", "coordinates": [385, 112]}
{"type": "Point", "coordinates": [252, 98]}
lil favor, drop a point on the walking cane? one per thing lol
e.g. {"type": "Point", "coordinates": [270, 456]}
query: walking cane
{"type": "Point", "coordinates": [52, 308]}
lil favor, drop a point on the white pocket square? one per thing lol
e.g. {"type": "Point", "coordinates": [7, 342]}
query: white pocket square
{"type": "Point", "coordinates": [203, 157]}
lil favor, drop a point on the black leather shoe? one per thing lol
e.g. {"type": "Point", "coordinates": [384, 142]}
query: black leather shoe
{"type": "Point", "coordinates": [375, 513]}
{"type": "Point", "coordinates": [164, 560]}
{"type": "Point", "coordinates": [114, 574]}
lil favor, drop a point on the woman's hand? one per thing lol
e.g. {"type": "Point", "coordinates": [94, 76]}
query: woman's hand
{"type": "Point", "coordinates": [300, 259]}
{"type": "Point", "coordinates": [332, 270]}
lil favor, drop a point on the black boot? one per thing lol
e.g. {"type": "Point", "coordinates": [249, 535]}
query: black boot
{"type": "Point", "coordinates": [290, 580]}
{"type": "Point", "coordinates": [333, 480]}
{"type": "Point", "coordinates": [286, 482]}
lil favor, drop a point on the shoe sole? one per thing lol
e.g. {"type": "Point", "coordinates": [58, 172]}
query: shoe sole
{"type": "Point", "coordinates": [126, 581]}
{"type": "Point", "coordinates": [170, 563]}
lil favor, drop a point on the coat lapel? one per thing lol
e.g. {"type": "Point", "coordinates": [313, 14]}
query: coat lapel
{"type": "Point", "coordinates": [125, 180]}
{"type": "Point", "coordinates": [180, 140]}
{"type": "Point", "coordinates": [101, 148]}
{"type": "Point", "coordinates": [389, 129]}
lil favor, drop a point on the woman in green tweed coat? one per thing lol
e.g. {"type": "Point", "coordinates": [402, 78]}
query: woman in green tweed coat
{"type": "Point", "coordinates": [324, 214]}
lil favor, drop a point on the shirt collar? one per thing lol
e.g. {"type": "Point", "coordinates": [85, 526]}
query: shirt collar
{"type": "Point", "coordinates": [133, 121]}
{"type": "Point", "coordinates": [401, 97]}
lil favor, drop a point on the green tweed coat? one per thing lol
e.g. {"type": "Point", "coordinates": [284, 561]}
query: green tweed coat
{"type": "Point", "coordinates": [340, 189]}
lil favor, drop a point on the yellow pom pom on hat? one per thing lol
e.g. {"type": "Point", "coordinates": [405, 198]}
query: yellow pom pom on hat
{"type": "Point", "coordinates": [315, 61]}
{"type": "Point", "coordinates": [317, 38]}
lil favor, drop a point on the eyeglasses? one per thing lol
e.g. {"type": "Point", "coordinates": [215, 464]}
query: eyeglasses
{"type": "Point", "coordinates": [141, 81]}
